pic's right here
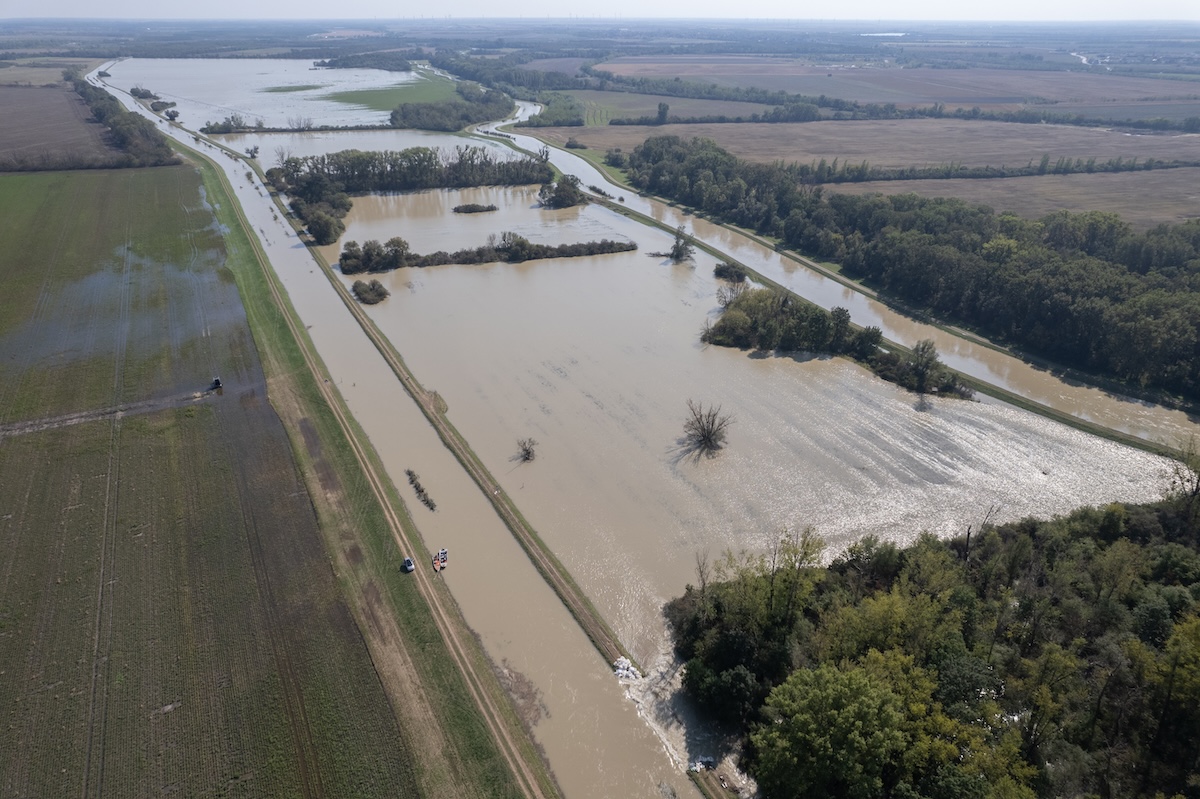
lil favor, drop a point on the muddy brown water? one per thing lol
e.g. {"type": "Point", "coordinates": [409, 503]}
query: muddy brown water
{"type": "Point", "coordinates": [595, 358]}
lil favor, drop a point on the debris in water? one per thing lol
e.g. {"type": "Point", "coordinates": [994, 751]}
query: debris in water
{"type": "Point", "coordinates": [625, 670]}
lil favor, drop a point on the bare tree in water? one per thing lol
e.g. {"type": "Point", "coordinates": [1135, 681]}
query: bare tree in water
{"type": "Point", "coordinates": [706, 428]}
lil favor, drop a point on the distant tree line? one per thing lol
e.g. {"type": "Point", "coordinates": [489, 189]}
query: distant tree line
{"type": "Point", "coordinates": [394, 254]}
{"type": "Point", "coordinates": [476, 105]}
{"type": "Point", "coordinates": [319, 186]}
{"type": "Point", "coordinates": [1081, 289]}
{"type": "Point", "coordinates": [1029, 659]}
{"type": "Point", "coordinates": [390, 61]}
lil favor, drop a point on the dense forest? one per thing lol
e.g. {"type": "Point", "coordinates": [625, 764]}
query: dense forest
{"type": "Point", "coordinates": [320, 186]}
{"type": "Point", "coordinates": [1081, 289]}
{"type": "Point", "coordinates": [1031, 659]}
{"type": "Point", "coordinates": [375, 257]}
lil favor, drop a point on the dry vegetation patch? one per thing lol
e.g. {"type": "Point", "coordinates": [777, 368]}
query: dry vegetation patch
{"type": "Point", "coordinates": [987, 88]}
{"type": "Point", "coordinates": [48, 128]}
{"type": "Point", "coordinates": [902, 143]}
{"type": "Point", "coordinates": [1144, 199]}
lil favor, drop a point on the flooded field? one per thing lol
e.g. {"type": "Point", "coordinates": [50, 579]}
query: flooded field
{"type": "Point", "coordinates": [596, 358]}
{"type": "Point", "coordinates": [273, 90]}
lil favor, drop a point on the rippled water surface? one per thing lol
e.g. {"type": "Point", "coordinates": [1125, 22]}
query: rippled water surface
{"type": "Point", "coordinates": [596, 359]}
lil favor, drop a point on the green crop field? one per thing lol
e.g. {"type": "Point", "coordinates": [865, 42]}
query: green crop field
{"type": "Point", "coordinates": [171, 623]}
{"type": "Point", "coordinates": [289, 89]}
{"type": "Point", "coordinates": [600, 106]}
{"type": "Point", "coordinates": [430, 88]}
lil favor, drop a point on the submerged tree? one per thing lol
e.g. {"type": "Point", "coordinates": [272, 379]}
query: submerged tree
{"type": "Point", "coordinates": [683, 249]}
{"type": "Point", "coordinates": [706, 428]}
{"type": "Point", "coordinates": [526, 449]}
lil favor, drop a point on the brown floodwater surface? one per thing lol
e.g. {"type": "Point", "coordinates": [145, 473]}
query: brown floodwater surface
{"type": "Point", "coordinates": [595, 358]}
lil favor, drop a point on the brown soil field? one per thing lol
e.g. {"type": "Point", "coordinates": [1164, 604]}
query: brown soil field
{"type": "Point", "coordinates": [567, 66]}
{"type": "Point", "coordinates": [901, 143]}
{"type": "Point", "coordinates": [48, 128]}
{"type": "Point", "coordinates": [171, 622]}
{"type": "Point", "coordinates": [44, 71]}
{"type": "Point", "coordinates": [987, 88]}
{"type": "Point", "coordinates": [1144, 199]}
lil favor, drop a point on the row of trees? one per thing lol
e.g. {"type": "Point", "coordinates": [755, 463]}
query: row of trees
{"type": "Point", "coordinates": [319, 186]}
{"type": "Point", "coordinates": [1037, 658]}
{"type": "Point", "coordinates": [140, 142]}
{"type": "Point", "coordinates": [511, 247]}
{"type": "Point", "coordinates": [1081, 289]}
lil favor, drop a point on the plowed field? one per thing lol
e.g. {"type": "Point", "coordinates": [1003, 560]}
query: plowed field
{"type": "Point", "coordinates": [170, 621]}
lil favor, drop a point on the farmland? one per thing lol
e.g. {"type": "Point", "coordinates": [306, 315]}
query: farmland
{"type": "Point", "coordinates": [902, 143]}
{"type": "Point", "coordinates": [45, 127]}
{"type": "Point", "coordinates": [1146, 198]}
{"type": "Point", "coordinates": [1142, 199]}
{"type": "Point", "coordinates": [172, 623]}
{"type": "Point", "coordinates": [600, 107]}
{"type": "Point", "coordinates": [990, 89]}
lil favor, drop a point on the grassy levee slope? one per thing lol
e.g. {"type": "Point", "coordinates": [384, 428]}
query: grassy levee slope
{"type": "Point", "coordinates": [169, 617]}
{"type": "Point", "coordinates": [454, 714]}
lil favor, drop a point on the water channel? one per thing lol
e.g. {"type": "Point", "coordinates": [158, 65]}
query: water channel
{"type": "Point", "coordinates": [595, 358]}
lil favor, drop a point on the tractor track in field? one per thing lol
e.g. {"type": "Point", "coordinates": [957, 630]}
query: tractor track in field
{"type": "Point", "coordinates": [445, 616]}
{"type": "Point", "coordinates": [113, 412]}
{"type": "Point", "coordinates": [102, 642]}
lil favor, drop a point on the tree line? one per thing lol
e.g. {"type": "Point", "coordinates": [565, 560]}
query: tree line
{"type": "Point", "coordinates": [510, 247]}
{"type": "Point", "coordinates": [138, 140]}
{"type": "Point", "coordinates": [319, 185]}
{"type": "Point", "coordinates": [1037, 658]}
{"type": "Point", "coordinates": [1081, 289]}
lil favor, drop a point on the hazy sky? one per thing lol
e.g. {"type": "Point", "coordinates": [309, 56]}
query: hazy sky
{"type": "Point", "coordinates": [1073, 10]}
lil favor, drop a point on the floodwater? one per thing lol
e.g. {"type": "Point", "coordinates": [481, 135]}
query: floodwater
{"type": "Point", "coordinates": [1144, 420]}
{"type": "Point", "coordinates": [595, 358]}
{"type": "Point", "coordinates": [272, 145]}
{"type": "Point", "coordinates": [592, 734]}
{"type": "Point", "coordinates": [208, 90]}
